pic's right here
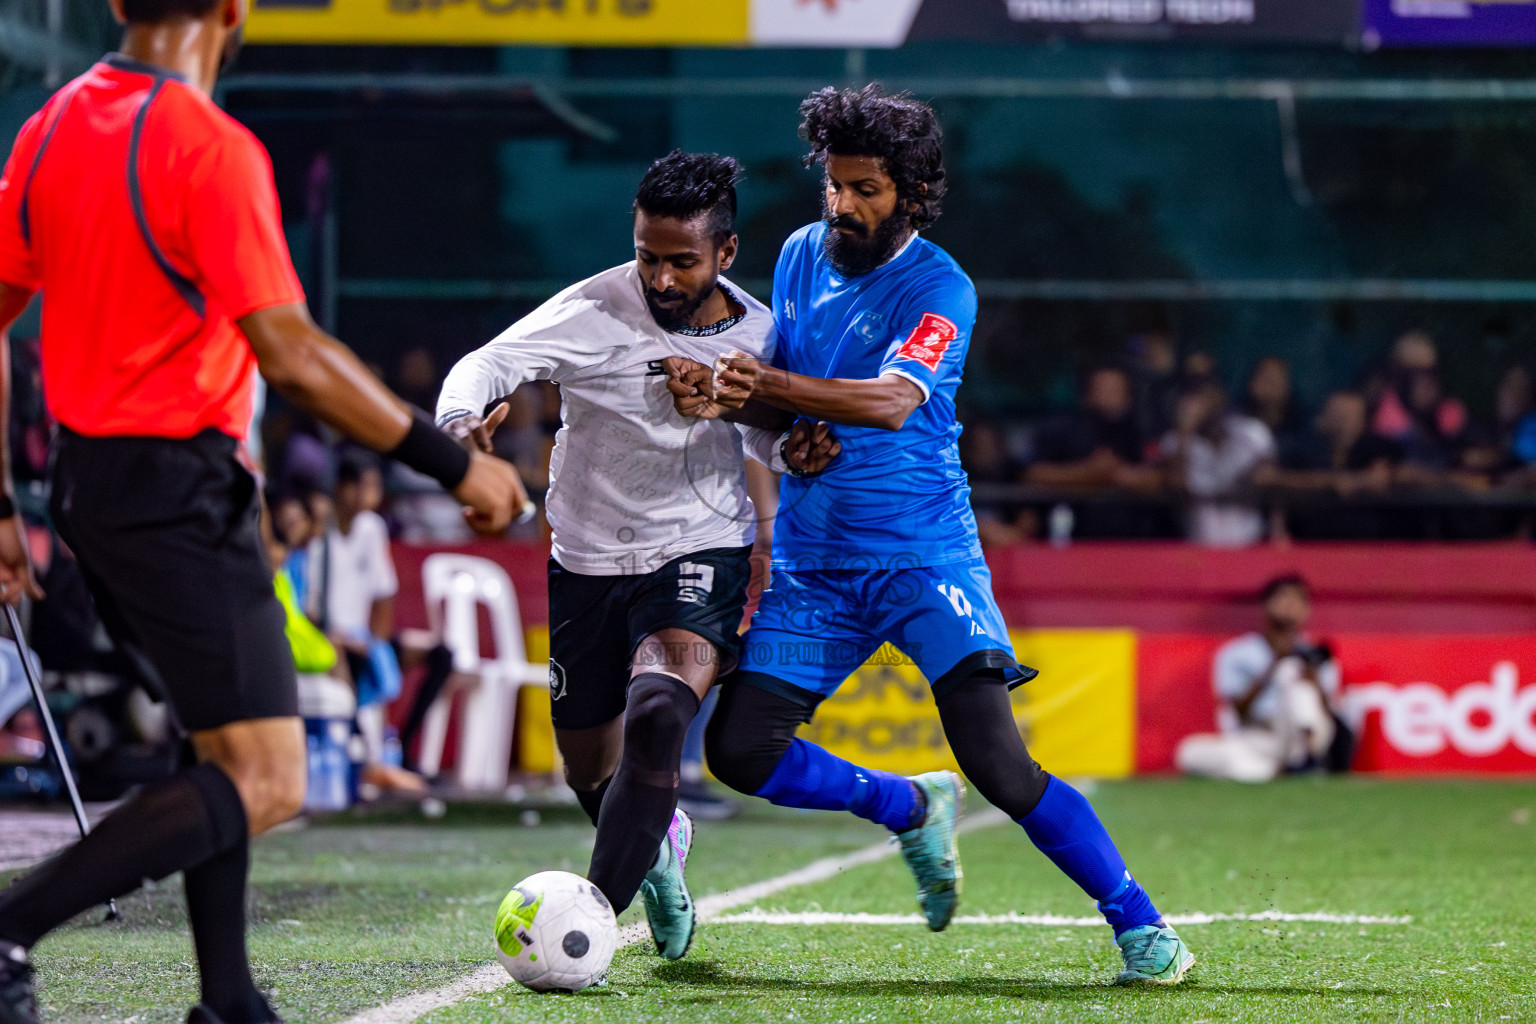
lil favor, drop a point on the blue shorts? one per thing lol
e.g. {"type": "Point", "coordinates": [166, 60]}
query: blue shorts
{"type": "Point", "coordinates": [814, 628]}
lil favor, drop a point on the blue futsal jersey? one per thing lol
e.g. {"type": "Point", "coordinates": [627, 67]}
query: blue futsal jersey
{"type": "Point", "coordinates": [881, 548]}
{"type": "Point", "coordinates": [893, 498]}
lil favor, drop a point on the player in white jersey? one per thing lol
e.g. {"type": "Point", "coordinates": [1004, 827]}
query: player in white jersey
{"type": "Point", "coordinates": [652, 525]}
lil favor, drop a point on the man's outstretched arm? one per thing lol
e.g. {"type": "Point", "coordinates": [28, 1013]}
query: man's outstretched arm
{"type": "Point", "coordinates": [321, 376]}
{"type": "Point", "coordinates": [882, 402]}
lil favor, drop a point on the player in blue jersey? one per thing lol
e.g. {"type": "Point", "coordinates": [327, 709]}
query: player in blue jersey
{"type": "Point", "coordinates": [874, 322]}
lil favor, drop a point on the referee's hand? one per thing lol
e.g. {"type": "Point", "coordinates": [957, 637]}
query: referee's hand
{"type": "Point", "coordinates": [492, 494]}
{"type": "Point", "coordinates": [16, 579]}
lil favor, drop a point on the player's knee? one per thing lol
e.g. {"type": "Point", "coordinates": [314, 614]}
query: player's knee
{"type": "Point", "coordinates": [978, 722]}
{"type": "Point", "coordinates": [740, 753]}
{"type": "Point", "coordinates": [270, 792]}
{"type": "Point", "coordinates": [1014, 785]}
{"type": "Point", "coordinates": [656, 717]}
{"type": "Point", "coordinates": [586, 778]}
{"type": "Point", "coordinates": [271, 784]}
{"type": "Point", "coordinates": [286, 798]}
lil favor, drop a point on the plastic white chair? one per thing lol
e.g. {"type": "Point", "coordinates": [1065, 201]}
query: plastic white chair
{"type": "Point", "coordinates": [455, 586]}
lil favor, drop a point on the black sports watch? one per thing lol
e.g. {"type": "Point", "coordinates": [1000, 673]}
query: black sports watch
{"type": "Point", "coordinates": [7, 506]}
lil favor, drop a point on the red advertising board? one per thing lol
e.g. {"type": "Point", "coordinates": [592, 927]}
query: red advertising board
{"type": "Point", "coordinates": [1448, 703]}
{"type": "Point", "coordinates": [1173, 694]}
{"type": "Point", "coordinates": [1421, 703]}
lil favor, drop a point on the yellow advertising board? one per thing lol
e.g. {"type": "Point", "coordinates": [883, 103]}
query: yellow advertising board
{"type": "Point", "coordinates": [1078, 716]}
{"type": "Point", "coordinates": [542, 22]}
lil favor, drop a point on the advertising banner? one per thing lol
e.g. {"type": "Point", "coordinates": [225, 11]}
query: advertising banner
{"type": "Point", "coordinates": [546, 22]}
{"type": "Point", "coordinates": [1173, 694]}
{"type": "Point", "coordinates": [1077, 717]}
{"type": "Point", "coordinates": [1320, 21]}
{"type": "Point", "coordinates": [1442, 703]}
{"type": "Point", "coordinates": [1450, 23]}
{"type": "Point", "coordinates": [810, 23]}
{"type": "Point", "coordinates": [1419, 703]}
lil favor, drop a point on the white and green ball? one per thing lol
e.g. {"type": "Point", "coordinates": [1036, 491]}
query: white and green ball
{"type": "Point", "coordinates": [555, 932]}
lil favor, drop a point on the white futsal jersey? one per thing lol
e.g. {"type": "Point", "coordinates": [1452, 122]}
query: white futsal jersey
{"type": "Point", "coordinates": [632, 484]}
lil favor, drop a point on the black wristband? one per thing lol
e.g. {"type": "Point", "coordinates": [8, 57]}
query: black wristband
{"type": "Point", "coordinates": [428, 450]}
{"type": "Point", "coordinates": [7, 506]}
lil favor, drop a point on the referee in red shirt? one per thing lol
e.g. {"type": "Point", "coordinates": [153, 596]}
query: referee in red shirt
{"type": "Point", "coordinates": [149, 219]}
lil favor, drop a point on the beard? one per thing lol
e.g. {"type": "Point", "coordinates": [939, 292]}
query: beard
{"type": "Point", "coordinates": [676, 316]}
{"type": "Point", "coordinates": [232, 44]}
{"type": "Point", "coordinates": [855, 255]}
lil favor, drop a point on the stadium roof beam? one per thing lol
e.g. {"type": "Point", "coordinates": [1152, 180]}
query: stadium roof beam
{"type": "Point", "coordinates": [1239, 290]}
{"type": "Point", "coordinates": [1399, 90]}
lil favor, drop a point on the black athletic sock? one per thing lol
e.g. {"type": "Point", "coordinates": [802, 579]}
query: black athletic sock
{"type": "Point", "coordinates": [216, 908]}
{"type": "Point", "coordinates": [167, 827]}
{"type": "Point", "coordinates": [591, 800]}
{"type": "Point", "coordinates": [643, 793]}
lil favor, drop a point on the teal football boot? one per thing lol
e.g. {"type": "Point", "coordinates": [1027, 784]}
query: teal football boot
{"type": "Point", "coordinates": [1154, 955]}
{"type": "Point", "coordinates": [932, 849]}
{"type": "Point", "coordinates": [668, 904]}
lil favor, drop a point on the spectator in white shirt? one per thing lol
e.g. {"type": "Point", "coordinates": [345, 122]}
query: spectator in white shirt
{"type": "Point", "coordinates": [1215, 454]}
{"type": "Point", "coordinates": [350, 592]}
{"type": "Point", "coordinates": [1277, 691]}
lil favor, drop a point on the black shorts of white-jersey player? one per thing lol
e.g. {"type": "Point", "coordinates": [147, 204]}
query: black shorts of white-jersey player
{"type": "Point", "coordinates": [639, 632]}
{"type": "Point", "coordinates": [165, 530]}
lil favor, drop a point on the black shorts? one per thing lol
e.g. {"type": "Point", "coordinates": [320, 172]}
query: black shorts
{"type": "Point", "coordinates": [167, 538]}
{"type": "Point", "coordinates": [596, 622]}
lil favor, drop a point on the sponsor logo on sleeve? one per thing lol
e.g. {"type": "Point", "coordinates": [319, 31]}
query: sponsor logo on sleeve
{"type": "Point", "coordinates": [928, 343]}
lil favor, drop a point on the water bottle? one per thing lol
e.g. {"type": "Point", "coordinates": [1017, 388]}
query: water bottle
{"type": "Point", "coordinates": [1059, 525]}
{"type": "Point", "coordinates": [314, 790]}
{"type": "Point", "coordinates": [392, 754]}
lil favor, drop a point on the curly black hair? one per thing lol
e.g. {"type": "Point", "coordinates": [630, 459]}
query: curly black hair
{"type": "Point", "coordinates": [684, 185]}
{"type": "Point", "coordinates": [903, 132]}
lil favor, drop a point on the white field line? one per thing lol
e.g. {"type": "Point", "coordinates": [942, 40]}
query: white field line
{"type": "Point", "coordinates": [492, 977]}
{"type": "Point", "coordinates": [780, 917]}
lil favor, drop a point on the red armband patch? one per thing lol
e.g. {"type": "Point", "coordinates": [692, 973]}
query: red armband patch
{"type": "Point", "coordinates": [928, 343]}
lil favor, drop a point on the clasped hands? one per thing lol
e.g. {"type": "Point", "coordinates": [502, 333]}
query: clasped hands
{"type": "Point", "coordinates": [705, 392]}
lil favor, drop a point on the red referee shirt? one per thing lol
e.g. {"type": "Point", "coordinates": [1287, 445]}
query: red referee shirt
{"type": "Point", "coordinates": [149, 219]}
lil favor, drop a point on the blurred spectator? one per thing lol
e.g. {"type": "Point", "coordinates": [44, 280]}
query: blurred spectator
{"type": "Point", "coordinates": [350, 587]}
{"type": "Point", "coordinates": [31, 425]}
{"type": "Point", "coordinates": [21, 737]}
{"type": "Point", "coordinates": [523, 439]}
{"type": "Point", "coordinates": [1199, 368]}
{"type": "Point", "coordinates": [416, 378]}
{"type": "Point", "coordinates": [1515, 411]}
{"type": "Point", "coordinates": [984, 454]}
{"type": "Point", "coordinates": [1098, 448]}
{"type": "Point", "coordinates": [1340, 455]}
{"type": "Point", "coordinates": [1277, 691]}
{"type": "Point", "coordinates": [1269, 400]}
{"type": "Point", "coordinates": [325, 679]}
{"type": "Point", "coordinates": [1215, 456]}
{"type": "Point", "coordinates": [1413, 409]}
{"type": "Point", "coordinates": [1153, 359]}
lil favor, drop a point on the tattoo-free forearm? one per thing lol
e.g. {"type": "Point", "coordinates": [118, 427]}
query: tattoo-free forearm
{"type": "Point", "coordinates": [321, 376]}
{"type": "Point", "coordinates": [883, 402]}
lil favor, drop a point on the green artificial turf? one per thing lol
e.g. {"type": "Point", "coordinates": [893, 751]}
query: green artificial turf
{"type": "Point", "coordinates": [349, 915]}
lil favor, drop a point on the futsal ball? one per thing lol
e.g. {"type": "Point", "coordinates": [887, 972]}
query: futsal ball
{"type": "Point", "coordinates": [555, 932]}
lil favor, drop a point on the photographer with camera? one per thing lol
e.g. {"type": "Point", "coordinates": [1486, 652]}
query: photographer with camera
{"type": "Point", "coordinates": [1278, 692]}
